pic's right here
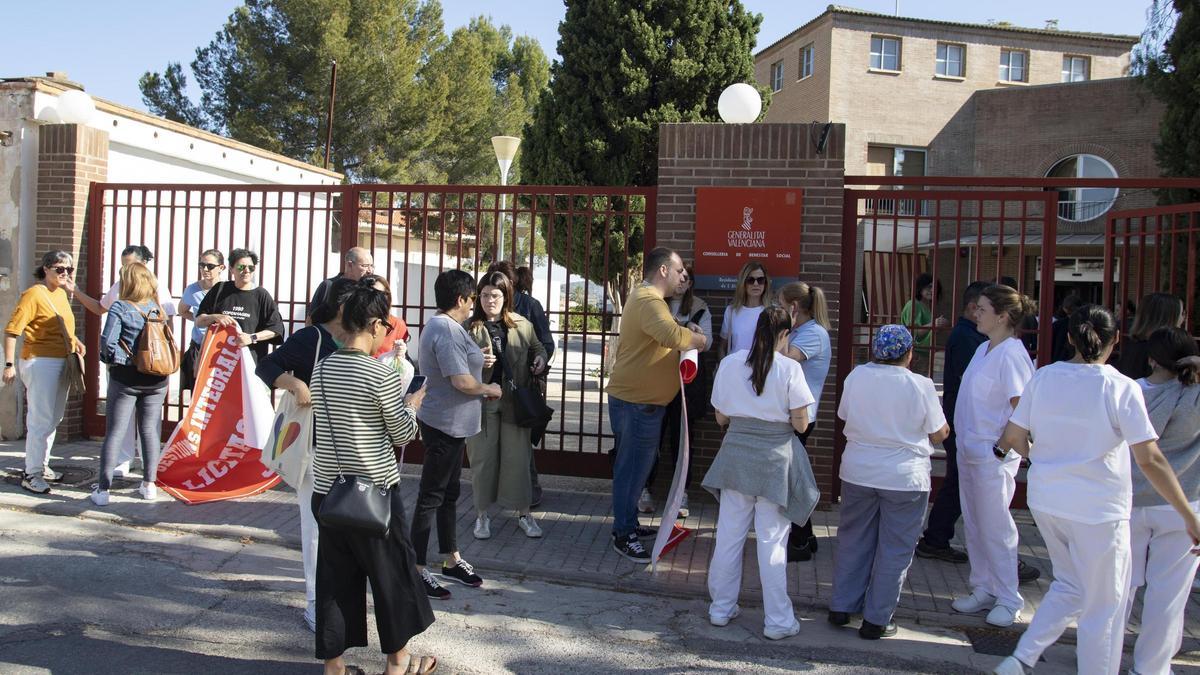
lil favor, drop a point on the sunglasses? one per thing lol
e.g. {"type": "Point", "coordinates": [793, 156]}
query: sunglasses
{"type": "Point", "coordinates": [245, 268]}
{"type": "Point", "coordinates": [209, 266]}
{"type": "Point", "coordinates": [756, 280]}
{"type": "Point", "coordinates": [62, 269]}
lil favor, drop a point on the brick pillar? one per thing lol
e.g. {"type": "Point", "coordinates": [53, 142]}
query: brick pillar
{"type": "Point", "coordinates": [758, 155]}
{"type": "Point", "coordinates": [70, 158]}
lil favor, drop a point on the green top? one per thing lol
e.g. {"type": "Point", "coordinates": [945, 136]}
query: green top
{"type": "Point", "coordinates": [923, 317]}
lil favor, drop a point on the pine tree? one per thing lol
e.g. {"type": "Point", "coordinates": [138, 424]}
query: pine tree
{"type": "Point", "coordinates": [628, 66]}
{"type": "Point", "coordinates": [1172, 77]}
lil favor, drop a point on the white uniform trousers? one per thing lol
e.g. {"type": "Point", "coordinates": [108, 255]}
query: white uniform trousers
{"type": "Point", "coordinates": [45, 404]}
{"type": "Point", "coordinates": [1163, 563]}
{"type": "Point", "coordinates": [771, 529]}
{"type": "Point", "coordinates": [1091, 578]}
{"type": "Point", "coordinates": [308, 543]}
{"type": "Point", "coordinates": [985, 490]}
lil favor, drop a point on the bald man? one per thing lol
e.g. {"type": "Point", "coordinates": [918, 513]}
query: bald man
{"type": "Point", "coordinates": [358, 263]}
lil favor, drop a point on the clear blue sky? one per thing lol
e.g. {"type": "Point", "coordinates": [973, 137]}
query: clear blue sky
{"type": "Point", "coordinates": [107, 45]}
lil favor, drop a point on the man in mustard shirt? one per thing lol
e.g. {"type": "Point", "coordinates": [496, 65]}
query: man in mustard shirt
{"type": "Point", "coordinates": [645, 377]}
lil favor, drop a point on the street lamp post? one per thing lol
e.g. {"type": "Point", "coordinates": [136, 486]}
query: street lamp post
{"type": "Point", "coordinates": [506, 150]}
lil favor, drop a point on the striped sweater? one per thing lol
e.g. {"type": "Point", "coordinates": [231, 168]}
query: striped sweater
{"type": "Point", "coordinates": [363, 397]}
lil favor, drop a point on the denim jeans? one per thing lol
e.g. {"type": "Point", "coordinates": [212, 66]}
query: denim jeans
{"type": "Point", "coordinates": [128, 406]}
{"type": "Point", "coordinates": [637, 428]}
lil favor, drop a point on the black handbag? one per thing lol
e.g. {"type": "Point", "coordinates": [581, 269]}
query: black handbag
{"type": "Point", "coordinates": [529, 406]}
{"type": "Point", "coordinates": [354, 503]}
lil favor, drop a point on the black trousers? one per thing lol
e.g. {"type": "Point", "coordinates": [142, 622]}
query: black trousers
{"type": "Point", "coordinates": [438, 494]}
{"type": "Point", "coordinates": [947, 509]}
{"type": "Point", "coordinates": [345, 561]}
{"type": "Point", "coordinates": [800, 534]}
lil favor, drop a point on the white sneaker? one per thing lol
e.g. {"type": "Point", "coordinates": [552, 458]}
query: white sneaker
{"type": "Point", "coordinates": [724, 621]}
{"type": "Point", "coordinates": [149, 491]}
{"type": "Point", "coordinates": [529, 526]}
{"type": "Point", "coordinates": [975, 602]}
{"type": "Point", "coordinates": [1011, 666]}
{"type": "Point", "coordinates": [645, 502]}
{"type": "Point", "coordinates": [483, 527]}
{"type": "Point", "coordinates": [775, 634]}
{"type": "Point", "coordinates": [1003, 616]}
{"type": "Point", "coordinates": [121, 470]}
{"type": "Point", "coordinates": [99, 497]}
{"type": "Point", "coordinates": [683, 507]}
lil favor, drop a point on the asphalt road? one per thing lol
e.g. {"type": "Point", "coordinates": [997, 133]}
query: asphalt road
{"type": "Point", "coordinates": [80, 596]}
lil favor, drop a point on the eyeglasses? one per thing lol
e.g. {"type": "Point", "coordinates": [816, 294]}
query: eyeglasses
{"type": "Point", "coordinates": [494, 295]}
{"type": "Point", "coordinates": [63, 269]}
{"type": "Point", "coordinates": [245, 268]}
{"type": "Point", "coordinates": [365, 266]}
{"type": "Point", "coordinates": [208, 266]}
{"type": "Point", "coordinates": [756, 280]}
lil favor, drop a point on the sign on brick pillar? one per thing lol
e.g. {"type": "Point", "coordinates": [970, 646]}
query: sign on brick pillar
{"type": "Point", "coordinates": [758, 155]}
{"type": "Point", "coordinates": [70, 158]}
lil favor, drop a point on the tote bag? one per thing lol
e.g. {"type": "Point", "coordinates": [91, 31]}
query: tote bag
{"type": "Point", "coordinates": [290, 449]}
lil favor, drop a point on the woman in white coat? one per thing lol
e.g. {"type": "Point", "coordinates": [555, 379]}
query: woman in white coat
{"type": "Point", "coordinates": [991, 387]}
{"type": "Point", "coordinates": [1084, 418]}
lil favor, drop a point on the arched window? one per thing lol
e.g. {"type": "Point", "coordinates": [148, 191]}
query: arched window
{"type": "Point", "coordinates": [1082, 204]}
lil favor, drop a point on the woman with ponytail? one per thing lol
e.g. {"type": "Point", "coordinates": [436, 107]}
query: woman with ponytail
{"type": "Point", "coordinates": [893, 418]}
{"type": "Point", "coordinates": [761, 475]}
{"type": "Point", "coordinates": [1162, 557]}
{"type": "Point", "coordinates": [990, 389]}
{"type": "Point", "coordinates": [808, 344]}
{"type": "Point", "coordinates": [1085, 417]}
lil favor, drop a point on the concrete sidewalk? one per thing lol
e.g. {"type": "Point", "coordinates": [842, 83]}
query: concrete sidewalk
{"type": "Point", "coordinates": [575, 516]}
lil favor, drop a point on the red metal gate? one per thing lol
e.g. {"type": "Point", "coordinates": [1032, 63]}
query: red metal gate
{"type": "Point", "coordinates": [584, 243]}
{"type": "Point", "coordinates": [956, 236]}
{"type": "Point", "coordinates": [1149, 250]}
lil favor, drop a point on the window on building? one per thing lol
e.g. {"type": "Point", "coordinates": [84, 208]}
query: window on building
{"type": "Point", "coordinates": [950, 62]}
{"type": "Point", "coordinates": [806, 61]}
{"type": "Point", "coordinates": [1083, 204]}
{"type": "Point", "coordinates": [885, 53]}
{"type": "Point", "coordinates": [1014, 65]}
{"type": "Point", "coordinates": [886, 160]}
{"type": "Point", "coordinates": [1076, 69]}
{"type": "Point", "coordinates": [777, 76]}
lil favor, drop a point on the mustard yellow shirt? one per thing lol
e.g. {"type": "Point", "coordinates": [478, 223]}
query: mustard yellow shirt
{"type": "Point", "coordinates": [647, 365]}
{"type": "Point", "coordinates": [35, 318]}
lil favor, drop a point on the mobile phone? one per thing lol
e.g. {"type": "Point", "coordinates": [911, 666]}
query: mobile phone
{"type": "Point", "coordinates": [418, 381]}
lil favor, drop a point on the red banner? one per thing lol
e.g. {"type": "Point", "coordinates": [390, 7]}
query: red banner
{"type": "Point", "coordinates": [214, 453]}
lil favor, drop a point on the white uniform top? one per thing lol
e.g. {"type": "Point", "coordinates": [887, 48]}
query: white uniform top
{"type": "Point", "coordinates": [165, 298]}
{"type": "Point", "coordinates": [991, 381]}
{"type": "Point", "coordinates": [1082, 419]}
{"type": "Point", "coordinates": [737, 327]}
{"type": "Point", "coordinates": [784, 390]}
{"type": "Point", "coordinates": [889, 413]}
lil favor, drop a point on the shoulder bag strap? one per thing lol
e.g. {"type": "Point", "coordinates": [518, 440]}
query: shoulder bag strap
{"type": "Point", "coordinates": [329, 422]}
{"type": "Point", "coordinates": [317, 353]}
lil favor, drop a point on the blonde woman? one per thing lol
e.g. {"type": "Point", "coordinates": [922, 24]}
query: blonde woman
{"type": "Point", "coordinates": [43, 357]}
{"type": "Point", "coordinates": [808, 343]}
{"type": "Point", "coordinates": [134, 398]}
{"type": "Point", "coordinates": [500, 452]}
{"type": "Point", "coordinates": [749, 297]}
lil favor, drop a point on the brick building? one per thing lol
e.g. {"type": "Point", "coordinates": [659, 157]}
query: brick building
{"type": "Point", "coordinates": [897, 82]}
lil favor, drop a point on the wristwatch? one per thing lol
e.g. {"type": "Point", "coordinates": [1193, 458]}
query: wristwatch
{"type": "Point", "coordinates": [254, 338]}
{"type": "Point", "coordinates": [8, 364]}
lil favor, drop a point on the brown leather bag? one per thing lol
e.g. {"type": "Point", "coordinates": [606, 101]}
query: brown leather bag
{"type": "Point", "coordinates": [157, 353]}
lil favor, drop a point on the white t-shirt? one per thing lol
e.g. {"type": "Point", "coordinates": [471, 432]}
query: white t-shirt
{"type": "Point", "coordinates": [737, 327]}
{"type": "Point", "coordinates": [991, 381]}
{"type": "Point", "coordinates": [813, 341]}
{"type": "Point", "coordinates": [785, 389]}
{"type": "Point", "coordinates": [1082, 419]}
{"type": "Point", "coordinates": [165, 298]}
{"type": "Point", "coordinates": [889, 413]}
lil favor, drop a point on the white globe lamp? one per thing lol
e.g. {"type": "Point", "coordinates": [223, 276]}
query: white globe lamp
{"type": "Point", "coordinates": [739, 104]}
{"type": "Point", "coordinates": [75, 107]}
